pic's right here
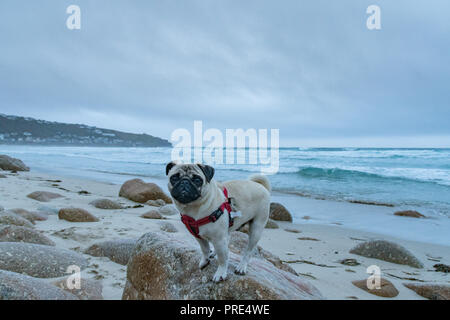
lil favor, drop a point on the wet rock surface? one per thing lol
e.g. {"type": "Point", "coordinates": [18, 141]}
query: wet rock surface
{"type": "Point", "coordinates": [23, 234]}
{"type": "Point", "coordinates": [430, 291]}
{"type": "Point", "coordinates": [15, 286]}
{"type": "Point", "coordinates": [387, 251]}
{"type": "Point", "coordinates": [409, 213]}
{"type": "Point", "coordinates": [138, 191]}
{"type": "Point", "coordinates": [37, 260]}
{"type": "Point", "coordinates": [88, 289]}
{"type": "Point", "coordinates": [29, 215]}
{"type": "Point", "coordinates": [12, 164]}
{"type": "Point", "coordinates": [44, 196]}
{"type": "Point", "coordinates": [386, 290]}
{"type": "Point", "coordinates": [10, 218]}
{"type": "Point", "coordinates": [279, 212]}
{"type": "Point", "coordinates": [118, 251]}
{"type": "Point", "coordinates": [160, 262]}
{"type": "Point", "coordinates": [152, 214]}
{"type": "Point", "coordinates": [106, 204]}
{"type": "Point", "coordinates": [76, 215]}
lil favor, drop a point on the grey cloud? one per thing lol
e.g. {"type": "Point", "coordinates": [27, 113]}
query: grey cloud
{"type": "Point", "coordinates": [310, 68]}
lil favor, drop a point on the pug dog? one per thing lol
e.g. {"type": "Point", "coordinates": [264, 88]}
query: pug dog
{"type": "Point", "coordinates": [197, 195]}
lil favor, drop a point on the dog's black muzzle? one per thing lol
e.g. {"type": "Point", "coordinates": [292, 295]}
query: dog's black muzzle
{"type": "Point", "coordinates": [185, 191]}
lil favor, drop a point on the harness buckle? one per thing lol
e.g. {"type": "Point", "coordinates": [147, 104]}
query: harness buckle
{"type": "Point", "coordinates": [215, 215]}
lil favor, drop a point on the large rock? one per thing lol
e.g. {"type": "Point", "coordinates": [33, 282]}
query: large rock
{"type": "Point", "coordinates": [139, 191]}
{"type": "Point", "coordinates": [44, 196]}
{"type": "Point", "coordinates": [430, 291]}
{"type": "Point", "coordinates": [76, 215]}
{"type": "Point", "coordinates": [88, 290]}
{"type": "Point", "coordinates": [29, 215]}
{"type": "Point", "coordinates": [12, 164]}
{"type": "Point", "coordinates": [106, 204]}
{"type": "Point", "coordinates": [409, 213]}
{"type": "Point", "coordinates": [38, 260]}
{"type": "Point", "coordinates": [386, 290]}
{"type": "Point", "coordinates": [387, 251]}
{"type": "Point", "coordinates": [165, 266]}
{"type": "Point", "coordinates": [10, 218]}
{"type": "Point", "coordinates": [118, 251]}
{"type": "Point", "coordinates": [15, 286]}
{"type": "Point", "coordinates": [279, 212]}
{"type": "Point", "coordinates": [22, 234]}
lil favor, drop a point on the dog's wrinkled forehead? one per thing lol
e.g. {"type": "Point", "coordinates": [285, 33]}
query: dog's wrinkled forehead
{"type": "Point", "coordinates": [189, 170]}
{"type": "Point", "coordinates": [206, 172]}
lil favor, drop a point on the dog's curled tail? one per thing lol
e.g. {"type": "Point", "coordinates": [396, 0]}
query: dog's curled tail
{"type": "Point", "coordinates": [262, 180]}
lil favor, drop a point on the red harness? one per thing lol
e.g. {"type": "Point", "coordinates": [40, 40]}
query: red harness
{"type": "Point", "coordinates": [193, 225]}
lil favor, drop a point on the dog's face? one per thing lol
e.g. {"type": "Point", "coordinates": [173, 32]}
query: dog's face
{"type": "Point", "coordinates": [188, 182]}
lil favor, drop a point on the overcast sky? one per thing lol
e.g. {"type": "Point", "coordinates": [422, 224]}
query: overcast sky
{"type": "Point", "coordinates": [309, 68]}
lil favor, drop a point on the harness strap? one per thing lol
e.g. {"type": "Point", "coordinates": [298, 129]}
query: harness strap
{"type": "Point", "coordinates": [193, 225]}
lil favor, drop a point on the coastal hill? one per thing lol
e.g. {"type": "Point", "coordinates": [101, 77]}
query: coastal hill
{"type": "Point", "coordinates": [29, 131]}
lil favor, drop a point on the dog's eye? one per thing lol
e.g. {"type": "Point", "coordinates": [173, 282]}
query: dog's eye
{"type": "Point", "coordinates": [175, 178]}
{"type": "Point", "coordinates": [197, 181]}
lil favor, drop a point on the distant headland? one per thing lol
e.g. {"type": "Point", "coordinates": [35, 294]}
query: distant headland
{"type": "Point", "coordinates": [29, 131]}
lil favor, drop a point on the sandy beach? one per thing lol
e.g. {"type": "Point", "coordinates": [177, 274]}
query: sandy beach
{"type": "Point", "coordinates": [314, 250]}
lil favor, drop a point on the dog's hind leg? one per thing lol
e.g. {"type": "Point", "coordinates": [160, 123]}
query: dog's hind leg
{"type": "Point", "coordinates": [207, 254]}
{"type": "Point", "coordinates": [256, 227]}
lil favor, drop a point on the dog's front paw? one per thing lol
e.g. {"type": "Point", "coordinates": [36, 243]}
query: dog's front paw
{"type": "Point", "coordinates": [241, 269]}
{"type": "Point", "coordinates": [220, 276]}
{"type": "Point", "coordinates": [203, 263]}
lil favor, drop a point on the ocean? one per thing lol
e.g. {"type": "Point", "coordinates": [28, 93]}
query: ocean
{"type": "Point", "coordinates": [417, 179]}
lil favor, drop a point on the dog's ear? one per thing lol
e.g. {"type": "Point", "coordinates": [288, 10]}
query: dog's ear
{"type": "Point", "coordinates": [208, 171]}
{"type": "Point", "coordinates": [169, 166]}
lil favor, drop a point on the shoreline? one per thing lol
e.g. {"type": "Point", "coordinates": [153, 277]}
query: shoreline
{"type": "Point", "coordinates": [353, 215]}
{"type": "Point", "coordinates": [314, 252]}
